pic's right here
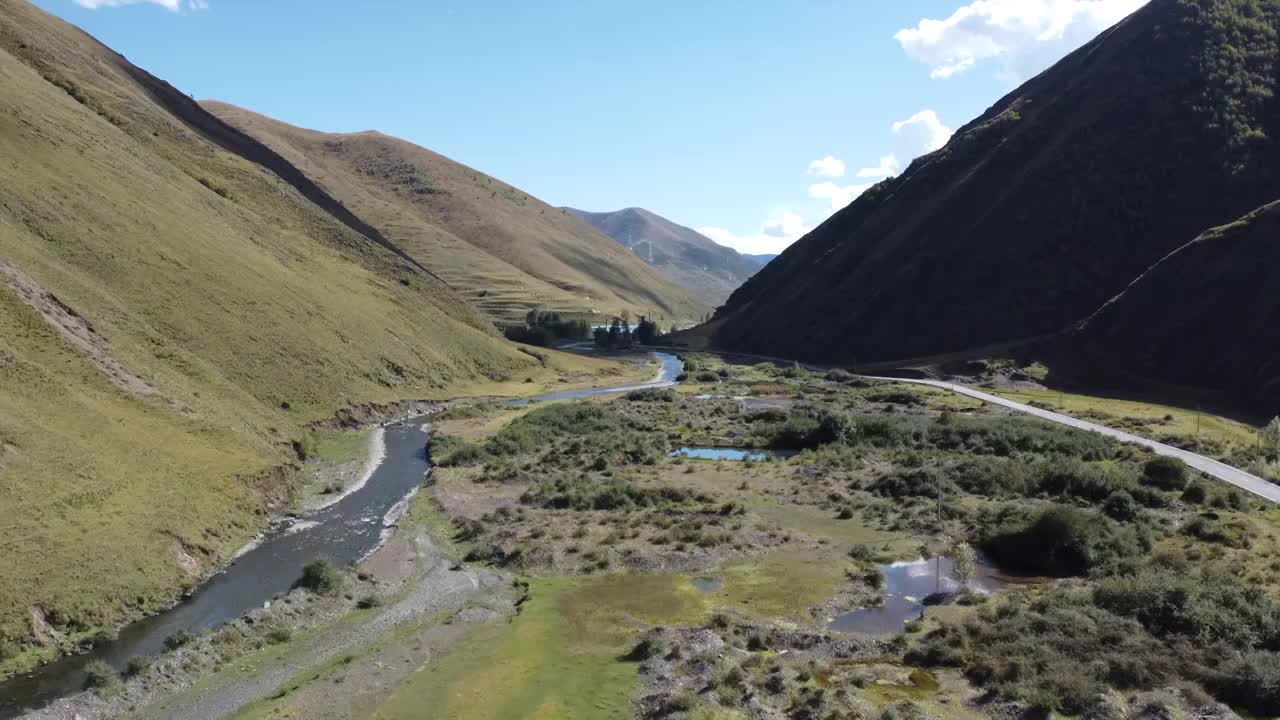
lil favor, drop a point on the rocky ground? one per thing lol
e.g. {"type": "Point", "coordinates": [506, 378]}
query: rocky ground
{"type": "Point", "coordinates": [415, 587]}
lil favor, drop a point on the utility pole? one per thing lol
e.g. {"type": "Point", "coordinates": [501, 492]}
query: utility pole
{"type": "Point", "coordinates": [937, 561]}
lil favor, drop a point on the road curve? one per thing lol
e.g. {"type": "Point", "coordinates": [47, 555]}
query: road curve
{"type": "Point", "coordinates": [1234, 476]}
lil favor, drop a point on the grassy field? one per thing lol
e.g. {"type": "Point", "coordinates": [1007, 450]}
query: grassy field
{"type": "Point", "coordinates": [563, 655]}
{"type": "Point", "coordinates": [1217, 435]}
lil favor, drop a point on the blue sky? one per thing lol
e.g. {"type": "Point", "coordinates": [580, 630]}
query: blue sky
{"type": "Point", "coordinates": [751, 120]}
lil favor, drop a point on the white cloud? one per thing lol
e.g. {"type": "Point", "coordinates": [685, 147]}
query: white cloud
{"type": "Point", "coordinates": [1028, 35]}
{"type": "Point", "coordinates": [173, 5]}
{"type": "Point", "coordinates": [888, 166]}
{"type": "Point", "coordinates": [778, 232]}
{"type": "Point", "coordinates": [839, 195]}
{"type": "Point", "coordinates": [921, 133]}
{"type": "Point", "coordinates": [828, 166]}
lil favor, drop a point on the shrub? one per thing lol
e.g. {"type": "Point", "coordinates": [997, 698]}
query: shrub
{"type": "Point", "coordinates": [1059, 541]}
{"type": "Point", "coordinates": [1087, 481]}
{"type": "Point", "coordinates": [279, 635]}
{"type": "Point", "coordinates": [897, 396]}
{"type": "Point", "coordinates": [540, 336]}
{"type": "Point", "coordinates": [306, 446]}
{"type": "Point", "coordinates": [1121, 506]}
{"type": "Point", "coordinates": [771, 415]}
{"type": "Point", "coordinates": [449, 451]}
{"type": "Point", "coordinates": [1211, 529]}
{"type": "Point", "coordinates": [1195, 493]}
{"type": "Point", "coordinates": [1030, 652]}
{"type": "Point", "coordinates": [809, 427]}
{"type": "Point", "coordinates": [178, 639]}
{"type": "Point", "coordinates": [1210, 609]}
{"type": "Point", "coordinates": [321, 577]}
{"type": "Point", "coordinates": [652, 395]}
{"type": "Point", "coordinates": [648, 647]}
{"type": "Point", "coordinates": [1165, 473]}
{"type": "Point", "coordinates": [369, 601]}
{"type": "Point", "coordinates": [1251, 681]}
{"type": "Point", "coordinates": [862, 553]}
{"type": "Point", "coordinates": [914, 482]}
{"type": "Point", "coordinates": [137, 666]}
{"type": "Point", "coordinates": [577, 493]}
{"type": "Point", "coordinates": [993, 476]}
{"type": "Point", "coordinates": [98, 674]}
{"type": "Point", "coordinates": [707, 376]}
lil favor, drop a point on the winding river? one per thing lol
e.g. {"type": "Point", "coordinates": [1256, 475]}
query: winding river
{"type": "Point", "coordinates": [345, 532]}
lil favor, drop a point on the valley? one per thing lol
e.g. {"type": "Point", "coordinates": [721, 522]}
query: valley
{"type": "Point", "coordinates": [599, 568]}
{"type": "Point", "coordinates": [300, 420]}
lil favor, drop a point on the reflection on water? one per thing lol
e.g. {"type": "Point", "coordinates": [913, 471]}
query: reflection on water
{"type": "Point", "coordinates": [907, 584]}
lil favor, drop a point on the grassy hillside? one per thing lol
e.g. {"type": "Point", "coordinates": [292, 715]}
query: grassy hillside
{"type": "Point", "coordinates": [176, 303]}
{"type": "Point", "coordinates": [505, 251]}
{"type": "Point", "coordinates": [708, 269]}
{"type": "Point", "coordinates": [1203, 317]}
{"type": "Point", "coordinates": [1047, 205]}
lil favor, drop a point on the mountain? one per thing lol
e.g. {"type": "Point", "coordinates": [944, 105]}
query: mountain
{"type": "Point", "coordinates": [708, 269]}
{"type": "Point", "coordinates": [761, 260]}
{"type": "Point", "coordinates": [177, 302]}
{"type": "Point", "coordinates": [1204, 317]}
{"type": "Point", "coordinates": [1046, 206]}
{"type": "Point", "coordinates": [500, 248]}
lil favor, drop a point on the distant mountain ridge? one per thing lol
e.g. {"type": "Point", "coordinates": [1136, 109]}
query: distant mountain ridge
{"type": "Point", "coordinates": [762, 259]}
{"type": "Point", "coordinates": [502, 249]}
{"type": "Point", "coordinates": [708, 269]}
{"type": "Point", "coordinates": [1048, 205]}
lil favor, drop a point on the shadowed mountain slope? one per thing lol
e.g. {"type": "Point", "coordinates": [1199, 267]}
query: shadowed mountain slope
{"type": "Point", "coordinates": [1205, 317]}
{"type": "Point", "coordinates": [1049, 204]}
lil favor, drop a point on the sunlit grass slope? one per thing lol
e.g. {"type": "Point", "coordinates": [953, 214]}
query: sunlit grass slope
{"type": "Point", "coordinates": [176, 303]}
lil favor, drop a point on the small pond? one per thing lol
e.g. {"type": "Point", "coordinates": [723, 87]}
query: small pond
{"type": "Point", "coordinates": [707, 584]}
{"type": "Point", "coordinates": [713, 453]}
{"type": "Point", "coordinates": [907, 584]}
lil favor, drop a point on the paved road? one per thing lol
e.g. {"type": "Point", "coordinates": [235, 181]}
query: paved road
{"type": "Point", "coordinates": [1209, 466]}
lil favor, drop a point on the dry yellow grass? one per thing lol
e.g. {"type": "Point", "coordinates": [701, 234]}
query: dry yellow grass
{"type": "Point", "coordinates": [504, 250]}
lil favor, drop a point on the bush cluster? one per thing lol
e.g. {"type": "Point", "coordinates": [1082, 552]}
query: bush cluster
{"type": "Point", "coordinates": [1059, 540]}
{"type": "Point", "coordinates": [586, 493]}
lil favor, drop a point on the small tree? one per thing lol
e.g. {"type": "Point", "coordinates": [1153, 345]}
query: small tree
{"type": "Point", "coordinates": [964, 564]}
{"type": "Point", "coordinates": [646, 331]}
{"type": "Point", "coordinates": [615, 333]}
{"type": "Point", "coordinates": [321, 577]}
{"type": "Point", "coordinates": [1271, 437]}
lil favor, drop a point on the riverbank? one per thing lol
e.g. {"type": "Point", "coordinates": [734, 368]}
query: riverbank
{"type": "Point", "coordinates": [411, 583]}
{"type": "Point", "coordinates": [301, 534]}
